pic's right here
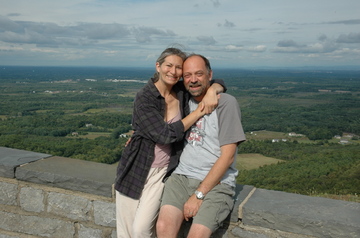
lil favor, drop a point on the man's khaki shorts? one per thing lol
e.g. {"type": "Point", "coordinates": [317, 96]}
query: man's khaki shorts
{"type": "Point", "coordinates": [215, 208]}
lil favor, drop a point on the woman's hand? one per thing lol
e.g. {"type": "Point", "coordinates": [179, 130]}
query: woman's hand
{"type": "Point", "coordinates": [200, 110]}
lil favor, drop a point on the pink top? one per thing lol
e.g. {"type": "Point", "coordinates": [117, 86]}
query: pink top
{"type": "Point", "coordinates": [162, 152]}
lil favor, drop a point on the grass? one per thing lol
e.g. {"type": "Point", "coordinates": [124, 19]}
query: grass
{"type": "Point", "coordinates": [253, 161]}
{"type": "Point", "coordinates": [269, 135]}
{"type": "Point", "coordinates": [266, 135]}
{"type": "Point", "coordinates": [92, 135]}
{"type": "Point", "coordinates": [348, 197]}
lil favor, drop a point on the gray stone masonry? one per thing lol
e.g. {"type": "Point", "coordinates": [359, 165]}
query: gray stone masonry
{"type": "Point", "coordinates": [49, 196]}
{"type": "Point", "coordinates": [12, 158]}
{"type": "Point", "coordinates": [36, 210]}
{"type": "Point", "coordinates": [320, 217]}
{"type": "Point", "coordinates": [72, 174]}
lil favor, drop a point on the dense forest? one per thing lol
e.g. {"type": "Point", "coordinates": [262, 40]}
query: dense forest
{"type": "Point", "coordinates": [308, 168]}
{"type": "Point", "coordinates": [85, 113]}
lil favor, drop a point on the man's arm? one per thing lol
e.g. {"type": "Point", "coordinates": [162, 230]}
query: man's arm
{"type": "Point", "coordinates": [214, 176]}
{"type": "Point", "coordinates": [211, 98]}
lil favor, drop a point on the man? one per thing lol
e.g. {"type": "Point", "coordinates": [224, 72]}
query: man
{"type": "Point", "coordinates": [202, 186]}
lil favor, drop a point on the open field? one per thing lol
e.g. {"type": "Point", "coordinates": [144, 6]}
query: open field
{"type": "Point", "coordinates": [92, 135]}
{"type": "Point", "coordinates": [266, 135]}
{"type": "Point", "coordinates": [254, 161]}
{"type": "Point", "coordinates": [271, 135]}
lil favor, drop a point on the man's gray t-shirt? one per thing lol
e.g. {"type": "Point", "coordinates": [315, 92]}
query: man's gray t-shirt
{"type": "Point", "coordinates": [204, 139]}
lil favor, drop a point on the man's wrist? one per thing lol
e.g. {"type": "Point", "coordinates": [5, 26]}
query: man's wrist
{"type": "Point", "coordinates": [199, 195]}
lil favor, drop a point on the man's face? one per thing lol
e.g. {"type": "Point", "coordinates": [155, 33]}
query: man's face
{"type": "Point", "coordinates": [196, 77]}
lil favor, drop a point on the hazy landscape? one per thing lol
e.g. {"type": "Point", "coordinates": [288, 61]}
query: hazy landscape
{"type": "Point", "coordinates": [302, 125]}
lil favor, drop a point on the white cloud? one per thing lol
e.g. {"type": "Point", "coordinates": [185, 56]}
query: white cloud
{"type": "Point", "coordinates": [134, 32]}
{"type": "Point", "coordinates": [207, 40]}
{"type": "Point", "coordinates": [349, 38]}
{"type": "Point", "coordinates": [233, 48]}
{"type": "Point", "coordinates": [258, 48]}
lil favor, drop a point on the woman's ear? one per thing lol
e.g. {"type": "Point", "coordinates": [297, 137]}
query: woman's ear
{"type": "Point", "coordinates": [157, 66]}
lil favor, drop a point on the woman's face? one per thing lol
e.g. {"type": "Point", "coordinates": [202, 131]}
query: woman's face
{"type": "Point", "coordinates": [170, 71]}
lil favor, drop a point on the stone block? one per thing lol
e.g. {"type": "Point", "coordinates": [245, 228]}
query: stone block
{"type": "Point", "coordinates": [73, 207]}
{"type": "Point", "coordinates": [8, 236]}
{"type": "Point", "coordinates": [32, 199]}
{"type": "Point", "coordinates": [105, 213]}
{"type": "Point", "coordinates": [72, 174]}
{"type": "Point", "coordinates": [8, 193]}
{"type": "Point", "coordinates": [238, 232]}
{"type": "Point", "coordinates": [12, 158]}
{"type": "Point", "coordinates": [300, 214]}
{"type": "Point", "coordinates": [37, 226]}
{"type": "Point", "coordinates": [113, 234]}
{"type": "Point", "coordinates": [241, 193]}
{"type": "Point", "coordinates": [86, 232]}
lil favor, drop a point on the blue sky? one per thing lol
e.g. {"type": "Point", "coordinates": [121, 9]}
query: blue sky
{"type": "Point", "coordinates": [231, 33]}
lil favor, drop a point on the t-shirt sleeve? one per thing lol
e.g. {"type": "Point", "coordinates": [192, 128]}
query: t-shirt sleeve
{"type": "Point", "coordinates": [229, 118]}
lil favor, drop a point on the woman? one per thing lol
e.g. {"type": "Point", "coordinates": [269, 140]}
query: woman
{"type": "Point", "coordinates": [154, 149]}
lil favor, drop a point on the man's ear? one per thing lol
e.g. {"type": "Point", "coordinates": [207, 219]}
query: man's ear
{"type": "Point", "coordinates": [210, 75]}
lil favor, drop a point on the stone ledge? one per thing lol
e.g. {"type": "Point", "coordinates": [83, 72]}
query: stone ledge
{"type": "Point", "coordinates": [315, 216]}
{"type": "Point", "coordinates": [259, 208]}
{"type": "Point", "coordinates": [10, 159]}
{"type": "Point", "coordinates": [72, 174]}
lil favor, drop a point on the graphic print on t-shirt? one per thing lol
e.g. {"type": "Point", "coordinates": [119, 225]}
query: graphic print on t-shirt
{"type": "Point", "coordinates": [197, 133]}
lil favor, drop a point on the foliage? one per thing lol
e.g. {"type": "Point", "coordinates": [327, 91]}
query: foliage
{"type": "Point", "coordinates": [311, 168]}
{"type": "Point", "coordinates": [52, 134]}
{"type": "Point", "coordinates": [102, 149]}
{"type": "Point", "coordinates": [54, 110]}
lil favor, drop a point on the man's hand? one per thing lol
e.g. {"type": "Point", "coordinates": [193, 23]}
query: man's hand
{"type": "Point", "coordinates": [191, 207]}
{"type": "Point", "coordinates": [127, 142]}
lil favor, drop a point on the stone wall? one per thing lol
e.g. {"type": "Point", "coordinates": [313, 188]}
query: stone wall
{"type": "Point", "coordinates": [33, 210]}
{"type": "Point", "coordinates": [48, 196]}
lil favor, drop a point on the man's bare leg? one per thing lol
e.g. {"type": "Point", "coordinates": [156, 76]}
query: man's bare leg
{"type": "Point", "coordinates": [199, 231]}
{"type": "Point", "coordinates": [169, 222]}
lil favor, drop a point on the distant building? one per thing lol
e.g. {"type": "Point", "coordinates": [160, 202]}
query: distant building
{"type": "Point", "coordinates": [294, 134]}
{"type": "Point", "coordinates": [339, 91]}
{"type": "Point", "coordinates": [348, 135]}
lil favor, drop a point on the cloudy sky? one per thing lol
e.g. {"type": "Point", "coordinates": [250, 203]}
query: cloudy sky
{"type": "Point", "coordinates": [231, 33]}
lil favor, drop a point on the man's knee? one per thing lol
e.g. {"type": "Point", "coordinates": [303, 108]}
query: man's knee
{"type": "Point", "coordinates": [199, 231]}
{"type": "Point", "coordinates": [160, 226]}
{"type": "Point", "coordinates": [169, 221]}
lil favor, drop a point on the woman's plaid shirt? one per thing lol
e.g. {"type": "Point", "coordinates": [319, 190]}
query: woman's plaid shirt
{"type": "Point", "coordinates": [150, 128]}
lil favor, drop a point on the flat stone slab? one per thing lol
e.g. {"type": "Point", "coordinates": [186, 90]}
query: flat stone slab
{"type": "Point", "coordinates": [12, 158]}
{"type": "Point", "coordinates": [73, 174]}
{"type": "Point", "coordinates": [241, 192]}
{"type": "Point", "coordinates": [315, 216]}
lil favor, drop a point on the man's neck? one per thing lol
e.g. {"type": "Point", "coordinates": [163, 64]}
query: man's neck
{"type": "Point", "coordinates": [198, 99]}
